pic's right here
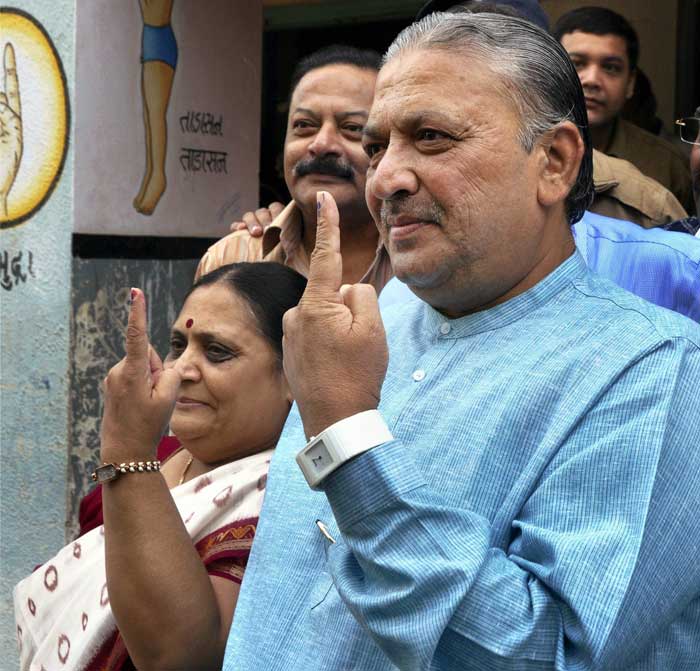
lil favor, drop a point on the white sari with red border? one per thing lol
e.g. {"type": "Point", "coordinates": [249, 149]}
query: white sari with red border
{"type": "Point", "coordinates": [62, 610]}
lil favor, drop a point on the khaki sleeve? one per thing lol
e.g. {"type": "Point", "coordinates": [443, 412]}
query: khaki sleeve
{"type": "Point", "coordinates": [234, 248]}
{"type": "Point", "coordinates": [624, 192]}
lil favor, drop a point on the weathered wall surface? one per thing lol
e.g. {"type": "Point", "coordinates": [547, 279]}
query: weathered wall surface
{"type": "Point", "coordinates": [35, 285]}
{"type": "Point", "coordinates": [99, 316]}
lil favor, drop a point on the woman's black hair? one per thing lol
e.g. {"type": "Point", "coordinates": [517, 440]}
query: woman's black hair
{"type": "Point", "coordinates": [270, 289]}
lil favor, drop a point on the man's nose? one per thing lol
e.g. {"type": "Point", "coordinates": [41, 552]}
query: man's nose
{"type": "Point", "coordinates": [590, 76]}
{"type": "Point", "coordinates": [392, 177]}
{"type": "Point", "coordinates": [326, 141]}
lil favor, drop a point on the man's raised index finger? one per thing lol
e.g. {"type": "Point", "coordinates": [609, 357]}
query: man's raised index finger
{"type": "Point", "coordinates": [326, 267]}
{"type": "Point", "coordinates": [136, 337]}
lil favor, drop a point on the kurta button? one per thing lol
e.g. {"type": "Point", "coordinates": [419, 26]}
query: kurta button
{"type": "Point", "coordinates": [445, 328]}
{"type": "Point", "coordinates": [418, 375]}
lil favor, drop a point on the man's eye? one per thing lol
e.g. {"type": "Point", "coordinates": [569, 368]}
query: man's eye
{"type": "Point", "coordinates": [612, 69]}
{"type": "Point", "coordinates": [353, 127]}
{"type": "Point", "coordinates": [301, 124]}
{"type": "Point", "coordinates": [430, 135]}
{"type": "Point", "coordinates": [372, 149]}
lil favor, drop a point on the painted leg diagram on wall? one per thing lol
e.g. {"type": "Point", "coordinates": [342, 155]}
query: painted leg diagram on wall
{"type": "Point", "coordinates": [11, 143]}
{"type": "Point", "coordinates": [159, 61]}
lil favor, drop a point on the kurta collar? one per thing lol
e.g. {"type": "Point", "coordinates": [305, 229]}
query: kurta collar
{"type": "Point", "coordinates": [516, 308]}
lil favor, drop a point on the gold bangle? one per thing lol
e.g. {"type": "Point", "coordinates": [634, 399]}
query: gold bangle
{"type": "Point", "coordinates": [108, 472]}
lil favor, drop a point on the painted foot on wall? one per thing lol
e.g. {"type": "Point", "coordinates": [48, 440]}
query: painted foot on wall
{"type": "Point", "coordinates": [154, 189]}
{"type": "Point", "coordinates": [142, 190]}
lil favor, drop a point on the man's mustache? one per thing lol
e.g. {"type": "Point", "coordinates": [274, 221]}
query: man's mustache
{"type": "Point", "coordinates": [390, 209]}
{"type": "Point", "coordinates": [324, 165]}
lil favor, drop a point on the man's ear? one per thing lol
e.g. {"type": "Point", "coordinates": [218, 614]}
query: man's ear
{"type": "Point", "coordinates": [629, 91]}
{"type": "Point", "coordinates": [562, 151]}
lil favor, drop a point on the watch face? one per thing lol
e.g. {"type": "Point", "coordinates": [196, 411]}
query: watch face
{"type": "Point", "coordinates": [319, 456]}
{"type": "Point", "coordinates": [106, 472]}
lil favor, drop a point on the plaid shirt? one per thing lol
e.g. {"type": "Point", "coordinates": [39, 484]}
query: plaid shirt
{"type": "Point", "coordinates": [282, 242]}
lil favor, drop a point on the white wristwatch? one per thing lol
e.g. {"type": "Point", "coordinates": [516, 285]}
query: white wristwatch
{"type": "Point", "coordinates": [340, 442]}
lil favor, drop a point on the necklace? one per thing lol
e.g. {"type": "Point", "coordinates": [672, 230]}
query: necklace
{"type": "Point", "coordinates": [184, 472]}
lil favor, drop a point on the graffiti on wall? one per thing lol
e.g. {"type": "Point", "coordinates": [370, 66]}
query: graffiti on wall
{"type": "Point", "coordinates": [34, 117]}
{"type": "Point", "coordinates": [15, 268]}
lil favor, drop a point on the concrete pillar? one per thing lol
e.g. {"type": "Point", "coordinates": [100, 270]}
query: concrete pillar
{"type": "Point", "coordinates": [35, 291]}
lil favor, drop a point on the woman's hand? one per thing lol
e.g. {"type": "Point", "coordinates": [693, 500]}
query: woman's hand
{"type": "Point", "coordinates": [149, 554]}
{"type": "Point", "coordinates": [139, 395]}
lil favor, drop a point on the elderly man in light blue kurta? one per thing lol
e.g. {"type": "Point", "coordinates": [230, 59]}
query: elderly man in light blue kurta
{"type": "Point", "coordinates": [525, 494]}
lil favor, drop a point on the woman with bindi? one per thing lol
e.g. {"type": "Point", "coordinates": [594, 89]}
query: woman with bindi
{"type": "Point", "coordinates": [156, 585]}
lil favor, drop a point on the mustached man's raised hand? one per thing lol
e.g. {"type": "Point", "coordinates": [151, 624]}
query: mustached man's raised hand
{"type": "Point", "coordinates": [256, 222]}
{"type": "Point", "coordinates": [335, 351]}
{"type": "Point", "coordinates": [139, 395]}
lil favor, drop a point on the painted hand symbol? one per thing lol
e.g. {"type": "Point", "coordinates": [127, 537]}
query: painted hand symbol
{"type": "Point", "coordinates": [10, 128]}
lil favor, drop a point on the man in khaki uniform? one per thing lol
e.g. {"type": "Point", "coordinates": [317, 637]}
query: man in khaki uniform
{"type": "Point", "coordinates": [623, 192]}
{"type": "Point", "coordinates": [604, 48]}
{"type": "Point", "coordinates": [332, 92]}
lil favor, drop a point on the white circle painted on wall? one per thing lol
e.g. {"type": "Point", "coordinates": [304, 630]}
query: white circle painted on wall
{"type": "Point", "coordinates": [34, 116]}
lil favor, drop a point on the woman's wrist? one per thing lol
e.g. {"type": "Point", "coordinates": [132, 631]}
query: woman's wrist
{"type": "Point", "coordinates": [118, 452]}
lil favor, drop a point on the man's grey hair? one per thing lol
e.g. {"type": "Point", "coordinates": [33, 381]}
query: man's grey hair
{"type": "Point", "coordinates": [540, 78]}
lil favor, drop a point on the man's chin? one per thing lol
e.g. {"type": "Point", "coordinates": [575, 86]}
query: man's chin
{"type": "Point", "coordinates": [599, 119]}
{"type": "Point", "coordinates": [419, 276]}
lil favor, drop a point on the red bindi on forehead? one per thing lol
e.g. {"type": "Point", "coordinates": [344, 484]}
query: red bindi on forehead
{"type": "Point", "coordinates": [189, 323]}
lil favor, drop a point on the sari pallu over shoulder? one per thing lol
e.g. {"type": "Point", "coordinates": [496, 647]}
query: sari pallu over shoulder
{"type": "Point", "coordinates": [62, 610]}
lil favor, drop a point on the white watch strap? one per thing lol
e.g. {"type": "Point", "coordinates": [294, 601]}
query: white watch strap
{"type": "Point", "coordinates": [340, 442]}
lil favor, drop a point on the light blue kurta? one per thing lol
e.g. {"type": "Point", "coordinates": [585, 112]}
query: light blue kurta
{"type": "Point", "coordinates": [539, 507]}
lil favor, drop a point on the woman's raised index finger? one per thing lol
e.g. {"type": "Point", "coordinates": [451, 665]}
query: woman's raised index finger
{"type": "Point", "coordinates": [136, 331]}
